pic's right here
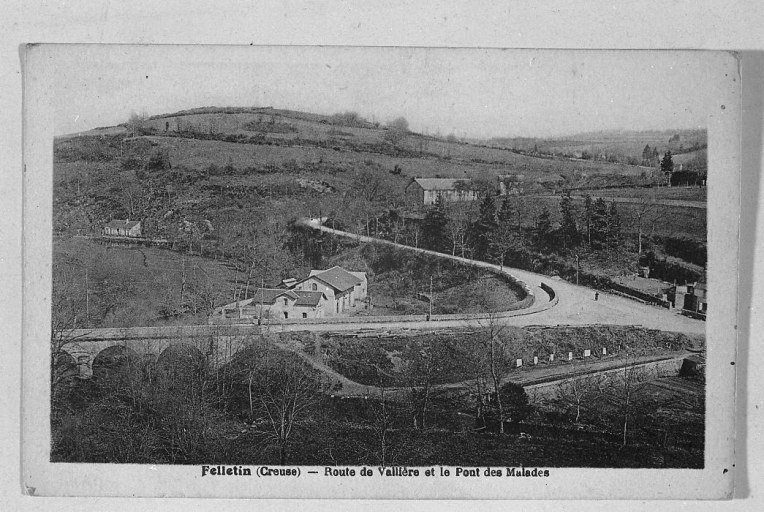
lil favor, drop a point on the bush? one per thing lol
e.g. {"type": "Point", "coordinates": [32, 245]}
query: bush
{"type": "Point", "coordinates": [131, 163]}
{"type": "Point", "coordinates": [686, 249]}
{"type": "Point", "coordinates": [514, 399]}
{"type": "Point", "coordinates": [159, 161]}
{"type": "Point", "coordinates": [351, 119]}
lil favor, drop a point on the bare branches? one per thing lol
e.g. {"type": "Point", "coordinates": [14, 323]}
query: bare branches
{"type": "Point", "coordinates": [283, 391]}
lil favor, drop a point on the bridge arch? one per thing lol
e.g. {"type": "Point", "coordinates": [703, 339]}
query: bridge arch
{"type": "Point", "coordinates": [65, 365]}
{"type": "Point", "coordinates": [114, 362]}
{"type": "Point", "coordinates": [181, 361]}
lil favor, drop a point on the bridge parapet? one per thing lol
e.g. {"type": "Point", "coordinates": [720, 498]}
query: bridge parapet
{"type": "Point", "coordinates": [217, 346]}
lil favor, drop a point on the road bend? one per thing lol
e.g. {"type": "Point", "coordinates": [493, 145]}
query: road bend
{"type": "Point", "coordinates": [576, 305]}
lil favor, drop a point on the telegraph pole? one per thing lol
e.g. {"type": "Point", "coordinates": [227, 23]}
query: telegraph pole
{"type": "Point", "coordinates": [578, 266]}
{"type": "Point", "coordinates": [431, 298]}
{"type": "Point", "coordinates": [87, 299]}
{"type": "Point", "coordinates": [262, 293]}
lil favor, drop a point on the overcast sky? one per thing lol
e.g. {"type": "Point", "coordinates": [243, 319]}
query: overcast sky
{"type": "Point", "coordinates": [477, 93]}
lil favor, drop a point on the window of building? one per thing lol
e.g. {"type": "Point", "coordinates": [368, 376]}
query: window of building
{"type": "Point", "coordinates": [305, 315]}
{"type": "Point", "coordinates": [286, 315]}
{"type": "Point", "coordinates": [286, 302]}
{"type": "Point", "coordinates": [315, 287]}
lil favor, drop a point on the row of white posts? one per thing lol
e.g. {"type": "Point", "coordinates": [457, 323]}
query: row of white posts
{"type": "Point", "coordinates": [587, 353]}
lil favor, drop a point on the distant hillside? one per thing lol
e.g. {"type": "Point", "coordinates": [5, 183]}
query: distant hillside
{"type": "Point", "coordinates": [622, 146]}
{"type": "Point", "coordinates": [228, 184]}
{"type": "Point", "coordinates": [229, 165]}
{"type": "Point", "coordinates": [347, 137]}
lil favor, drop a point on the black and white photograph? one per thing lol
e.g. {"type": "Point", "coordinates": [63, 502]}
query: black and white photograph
{"type": "Point", "coordinates": [406, 264]}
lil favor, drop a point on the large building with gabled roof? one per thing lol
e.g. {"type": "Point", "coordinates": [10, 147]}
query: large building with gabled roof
{"type": "Point", "coordinates": [425, 191]}
{"type": "Point", "coordinates": [342, 288]}
{"type": "Point", "coordinates": [323, 293]}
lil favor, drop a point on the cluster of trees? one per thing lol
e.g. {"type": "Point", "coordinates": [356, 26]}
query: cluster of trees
{"type": "Point", "coordinates": [94, 286]}
{"type": "Point", "coordinates": [350, 119]}
{"type": "Point", "coordinates": [584, 399]}
{"type": "Point", "coordinates": [397, 129]}
{"type": "Point", "coordinates": [178, 409]}
{"type": "Point", "coordinates": [667, 163]}
{"type": "Point", "coordinates": [492, 231]}
{"type": "Point", "coordinates": [650, 156]}
{"type": "Point", "coordinates": [494, 399]}
{"type": "Point", "coordinates": [271, 406]}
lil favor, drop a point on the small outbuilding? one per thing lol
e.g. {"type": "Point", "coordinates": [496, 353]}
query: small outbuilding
{"type": "Point", "coordinates": [131, 228]}
{"type": "Point", "coordinates": [277, 304]}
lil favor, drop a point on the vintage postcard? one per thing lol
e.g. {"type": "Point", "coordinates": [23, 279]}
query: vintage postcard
{"type": "Point", "coordinates": [358, 272]}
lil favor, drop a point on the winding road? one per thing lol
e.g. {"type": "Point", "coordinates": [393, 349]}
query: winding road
{"type": "Point", "coordinates": [571, 305]}
{"type": "Point", "coordinates": [576, 305]}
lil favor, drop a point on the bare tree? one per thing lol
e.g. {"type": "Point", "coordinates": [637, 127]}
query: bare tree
{"type": "Point", "coordinates": [460, 217]}
{"type": "Point", "coordinates": [400, 124]}
{"type": "Point", "coordinates": [134, 200]}
{"type": "Point", "coordinates": [579, 391]}
{"type": "Point", "coordinates": [397, 129]}
{"type": "Point", "coordinates": [284, 391]}
{"type": "Point", "coordinates": [502, 240]}
{"type": "Point", "coordinates": [646, 213]}
{"type": "Point", "coordinates": [67, 314]}
{"type": "Point", "coordinates": [135, 123]}
{"type": "Point", "coordinates": [494, 342]}
{"type": "Point", "coordinates": [620, 389]}
{"type": "Point", "coordinates": [419, 373]}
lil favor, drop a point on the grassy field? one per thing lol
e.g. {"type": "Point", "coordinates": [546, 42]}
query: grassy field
{"type": "Point", "coordinates": [658, 193]}
{"type": "Point", "coordinates": [660, 220]}
{"type": "Point", "coordinates": [129, 286]}
{"type": "Point", "coordinates": [616, 145]}
{"type": "Point", "coordinates": [317, 138]}
{"type": "Point", "coordinates": [485, 294]}
{"type": "Point", "coordinates": [396, 280]}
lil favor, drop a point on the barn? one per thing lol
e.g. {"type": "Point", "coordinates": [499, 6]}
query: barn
{"type": "Point", "coordinates": [425, 191]}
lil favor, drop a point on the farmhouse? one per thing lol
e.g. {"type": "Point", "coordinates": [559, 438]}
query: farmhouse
{"type": "Point", "coordinates": [425, 191]}
{"type": "Point", "coordinates": [323, 293]}
{"type": "Point", "coordinates": [122, 228]}
{"type": "Point", "coordinates": [341, 287]}
{"type": "Point", "coordinates": [277, 304]}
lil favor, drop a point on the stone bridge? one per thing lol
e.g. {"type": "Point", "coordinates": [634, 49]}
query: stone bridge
{"type": "Point", "coordinates": [555, 302]}
{"type": "Point", "coordinates": [216, 345]}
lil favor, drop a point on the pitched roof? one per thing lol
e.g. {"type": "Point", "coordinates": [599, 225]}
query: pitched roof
{"type": "Point", "coordinates": [124, 224]}
{"type": "Point", "coordinates": [269, 295]}
{"type": "Point", "coordinates": [337, 277]}
{"type": "Point", "coordinates": [305, 298]}
{"type": "Point", "coordinates": [441, 183]}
